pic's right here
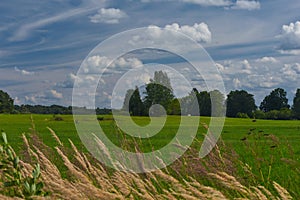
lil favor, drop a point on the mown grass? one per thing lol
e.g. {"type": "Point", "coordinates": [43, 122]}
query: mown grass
{"type": "Point", "coordinates": [269, 150]}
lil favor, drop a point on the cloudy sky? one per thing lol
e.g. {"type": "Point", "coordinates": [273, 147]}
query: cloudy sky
{"type": "Point", "coordinates": [254, 43]}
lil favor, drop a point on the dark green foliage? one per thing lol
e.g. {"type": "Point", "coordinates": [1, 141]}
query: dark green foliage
{"type": "Point", "coordinates": [242, 115]}
{"type": "Point", "coordinates": [158, 91]}
{"type": "Point", "coordinates": [174, 107]}
{"type": "Point", "coordinates": [15, 183]}
{"type": "Point", "coordinates": [204, 103]}
{"type": "Point", "coordinates": [240, 101]}
{"type": "Point", "coordinates": [133, 102]}
{"type": "Point", "coordinates": [217, 102]}
{"type": "Point", "coordinates": [276, 100]}
{"type": "Point", "coordinates": [190, 105]}
{"type": "Point", "coordinates": [296, 105]}
{"type": "Point", "coordinates": [258, 114]}
{"type": "Point", "coordinates": [6, 103]}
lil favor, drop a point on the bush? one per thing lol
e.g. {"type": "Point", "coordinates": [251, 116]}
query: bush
{"type": "Point", "coordinates": [258, 114]}
{"type": "Point", "coordinates": [273, 114]}
{"type": "Point", "coordinates": [15, 183]}
{"type": "Point", "coordinates": [57, 118]}
{"type": "Point", "coordinates": [242, 115]}
{"type": "Point", "coordinates": [100, 118]}
{"type": "Point", "coordinates": [285, 113]}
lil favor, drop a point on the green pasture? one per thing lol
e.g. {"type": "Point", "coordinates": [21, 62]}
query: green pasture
{"type": "Point", "coordinates": [270, 148]}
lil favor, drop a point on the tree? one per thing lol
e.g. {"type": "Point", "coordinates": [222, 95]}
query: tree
{"type": "Point", "coordinates": [133, 102]}
{"type": "Point", "coordinates": [189, 104]}
{"type": "Point", "coordinates": [276, 100]}
{"type": "Point", "coordinates": [296, 105]}
{"type": "Point", "coordinates": [240, 101]}
{"type": "Point", "coordinates": [204, 103]}
{"type": "Point", "coordinates": [6, 103]}
{"type": "Point", "coordinates": [217, 101]}
{"type": "Point", "coordinates": [159, 91]}
{"type": "Point", "coordinates": [174, 107]}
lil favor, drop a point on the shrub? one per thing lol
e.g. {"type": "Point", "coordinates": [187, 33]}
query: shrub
{"type": "Point", "coordinates": [100, 118]}
{"type": "Point", "coordinates": [15, 183]}
{"type": "Point", "coordinates": [258, 114]}
{"type": "Point", "coordinates": [285, 113]}
{"type": "Point", "coordinates": [273, 114]}
{"type": "Point", "coordinates": [242, 115]}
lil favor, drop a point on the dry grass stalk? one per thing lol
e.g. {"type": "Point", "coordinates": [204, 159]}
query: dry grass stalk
{"type": "Point", "coordinates": [283, 193]}
{"type": "Point", "coordinates": [55, 136]}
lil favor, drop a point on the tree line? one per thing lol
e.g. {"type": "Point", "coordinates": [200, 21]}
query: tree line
{"type": "Point", "coordinates": [7, 106]}
{"type": "Point", "coordinates": [239, 103]}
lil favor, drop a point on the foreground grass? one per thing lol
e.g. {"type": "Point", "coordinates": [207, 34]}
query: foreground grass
{"type": "Point", "coordinates": [256, 154]}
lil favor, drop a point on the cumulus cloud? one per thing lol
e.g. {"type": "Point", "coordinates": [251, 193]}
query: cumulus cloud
{"type": "Point", "coordinates": [290, 36]}
{"type": "Point", "coordinates": [171, 36]}
{"type": "Point", "coordinates": [55, 94]}
{"type": "Point", "coordinates": [23, 72]}
{"type": "Point", "coordinates": [246, 5]}
{"type": "Point", "coordinates": [291, 71]}
{"type": "Point", "coordinates": [209, 2]}
{"type": "Point", "coordinates": [227, 4]}
{"type": "Point", "coordinates": [199, 32]}
{"type": "Point", "coordinates": [108, 16]}
{"type": "Point", "coordinates": [31, 99]}
{"type": "Point", "coordinates": [236, 83]}
{"type": "Point", "coordinates": [267, 60]}
{"type": "Point", "coordinates": [101, 64]}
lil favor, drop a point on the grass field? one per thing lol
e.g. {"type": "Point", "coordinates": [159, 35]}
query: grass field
{"type": "Point", "coordinates": [269, 149]}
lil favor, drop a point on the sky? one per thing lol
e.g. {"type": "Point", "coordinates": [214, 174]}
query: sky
{"type": "Point", "coordinates": [255, 44]}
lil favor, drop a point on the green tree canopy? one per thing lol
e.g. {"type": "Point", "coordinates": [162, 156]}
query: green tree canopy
{"type": "Point", "coordinates": [276, 100]}
{"type": "Point", "coordinates": [296, 104]}
{"type": "Point", "coordinates": [133, 102]}
{"type": "Point", "coordinates": [159, 91]}
{"type": "Point", "coordinates": [217, 101]}
{"type": "Point", "coordinates": [6, 103]}
{"type": "Point", "coordinates": [204, 103]}
{"type": "Point", "coordinates": [240, 101]}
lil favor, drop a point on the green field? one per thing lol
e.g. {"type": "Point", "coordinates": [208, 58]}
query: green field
{"type": "Point", "coordinates": [271, 149]}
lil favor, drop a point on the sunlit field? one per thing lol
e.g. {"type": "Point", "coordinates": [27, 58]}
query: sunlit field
{"type": "Point", "coordinates": [252, 158]}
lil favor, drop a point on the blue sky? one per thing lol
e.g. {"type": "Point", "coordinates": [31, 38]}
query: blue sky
{"type": "Point", "coordinates": [255, 44]}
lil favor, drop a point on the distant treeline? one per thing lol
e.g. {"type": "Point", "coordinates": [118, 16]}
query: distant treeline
{"type": "Point", "coordinates": [54, 109]}
{"type": "Point", "coordinates": [158, 91]}
{"type": "Point", "coordinates": [239, 103]}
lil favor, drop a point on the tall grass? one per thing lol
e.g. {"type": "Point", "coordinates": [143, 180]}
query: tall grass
{"type": "Point", "coordinates": [214, 177]}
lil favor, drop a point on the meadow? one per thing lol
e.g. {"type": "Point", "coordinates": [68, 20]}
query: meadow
{"type": "Point", "coordinates": [253, 153]}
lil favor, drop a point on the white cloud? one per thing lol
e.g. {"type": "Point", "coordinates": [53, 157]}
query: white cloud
{"type": "Point", "coordinates": [31, 99]}
{"type": "Point", "coordinates": [236, 83]}
{"type": "Point", "coordinates": [171, 36]}
{"type": "Point", "coordinates": [290, 36]}
{"type": "Point", "coordinates": [209, 2]}
{"type": "Point", "coordinates": [199, 32]}
{"type": "Point", "coordinates": [220, 67]}
{"type": "Point", "coordinates": [267, 60]}
{"type": "Point", "coordinates": [99, 64]}
{"type": "Point", "coordinates": [26, 29]}
{"type": "Point", "coordinates": [227, 4]}
{"type": "Point", "coordinates": [56, 94]}
{"type": "Point", "coordinates": [108, 16]}
{"type": "Point", "coordinates": [291, 71]}
{"type": "Point", "coordinates": [24, 72]}
{"type": "Point", "coordinates": [246, 5]}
